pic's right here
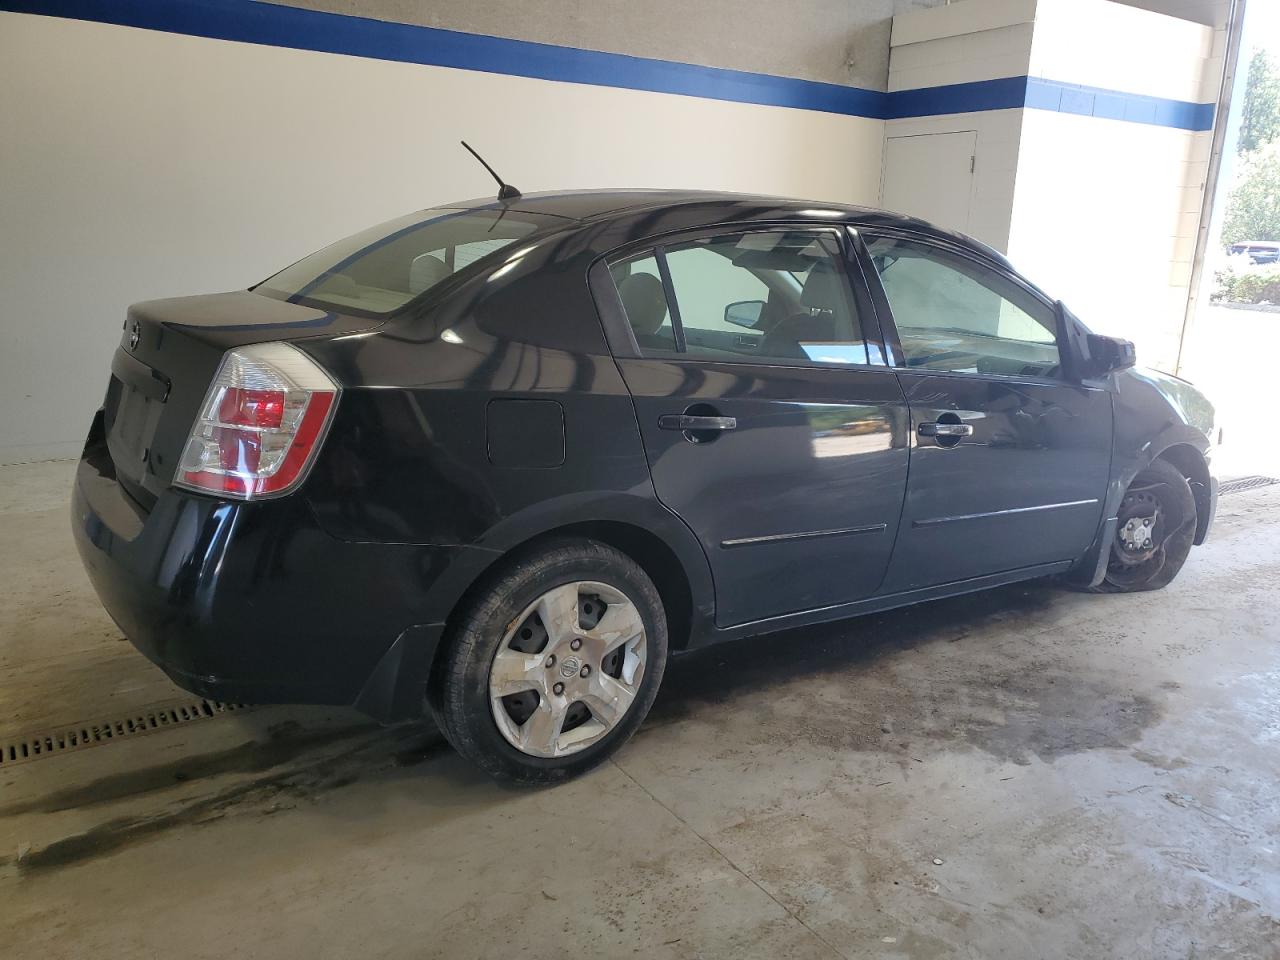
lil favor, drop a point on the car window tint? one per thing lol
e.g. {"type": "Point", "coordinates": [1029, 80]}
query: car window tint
{"type": "Point", "coordinates": [382, 269]}
{"type": "Point", "coordinates": [645, 303]}
{"type": "Point", "coordinates": [955, 314]}
{"type": "Point", "coordinates": [768, 295]}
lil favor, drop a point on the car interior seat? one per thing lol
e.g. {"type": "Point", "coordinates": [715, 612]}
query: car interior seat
{"type": "Point", "coordinates": [822, 303]}
{"type": "Point", "coordinates": [425, 272]}
{"type": "Point", "coordinates": [645, 303]}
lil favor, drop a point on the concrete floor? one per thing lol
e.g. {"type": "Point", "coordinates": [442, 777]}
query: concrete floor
{"type": "Point", "coordinates": [1022, 773]}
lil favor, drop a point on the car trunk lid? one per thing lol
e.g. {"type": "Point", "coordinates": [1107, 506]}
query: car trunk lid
{"type": "Point", "coordinates": [168, 354]}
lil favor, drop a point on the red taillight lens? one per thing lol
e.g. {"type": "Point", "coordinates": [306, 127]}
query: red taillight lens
{"type": "Point", "coordinates": [262, 422]}
{"type": "Point", "coordinates": [251, 408]}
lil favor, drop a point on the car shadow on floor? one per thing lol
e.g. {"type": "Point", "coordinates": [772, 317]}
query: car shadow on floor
{"type": "Point", "coordinates": [290, 758]}
{"type": "Point", "coordinates": [719, 673]}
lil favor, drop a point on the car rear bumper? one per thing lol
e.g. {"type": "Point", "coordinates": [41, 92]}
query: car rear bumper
{"type": "Point", "coordinates": [254, 603]}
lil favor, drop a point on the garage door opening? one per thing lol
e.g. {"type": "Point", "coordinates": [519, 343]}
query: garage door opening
{"type": "Point", "coordinates": [1233, 332]}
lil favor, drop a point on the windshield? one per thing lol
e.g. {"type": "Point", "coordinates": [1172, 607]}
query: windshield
{"type": "Point", "coordinates": [379, 270]}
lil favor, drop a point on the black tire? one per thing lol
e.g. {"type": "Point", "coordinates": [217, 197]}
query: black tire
{"type": "Point", "coordinates": [459, 693]}
{"type": "Point", "coordinates": [1161, 487]}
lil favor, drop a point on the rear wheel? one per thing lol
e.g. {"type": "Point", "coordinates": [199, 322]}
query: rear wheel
{"type": "Point", "coordinates": [1155, 530]}
{"type": "Point", "coordinates": [555, 665]}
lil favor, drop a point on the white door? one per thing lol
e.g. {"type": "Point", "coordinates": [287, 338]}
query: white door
{"type": "Point", "coordinates": [931, 177]}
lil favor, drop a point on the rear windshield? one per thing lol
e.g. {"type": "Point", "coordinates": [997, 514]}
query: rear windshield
{"type": "Point", "coordinates": [379, 270]}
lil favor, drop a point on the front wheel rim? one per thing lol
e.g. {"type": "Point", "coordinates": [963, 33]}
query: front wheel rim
{"type": "Point", "coordinates": [1144, 528]}
{"type": "Point", "coordinates": [568, 669]}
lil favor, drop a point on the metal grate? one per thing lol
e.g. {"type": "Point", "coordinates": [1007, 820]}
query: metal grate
{"type": "Point", "coordinates": [1245, 483]}
{"type": "Point", "coordinates": [84, 735]}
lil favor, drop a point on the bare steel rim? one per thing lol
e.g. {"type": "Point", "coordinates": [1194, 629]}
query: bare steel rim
{"type": "Point", "coordinates": [1148, 520]}
{"type": "Point", "coordinates": [568, 669]}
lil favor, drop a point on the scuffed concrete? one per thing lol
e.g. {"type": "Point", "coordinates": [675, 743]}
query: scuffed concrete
{"type": "Point", "coordinates": [1023, 773]}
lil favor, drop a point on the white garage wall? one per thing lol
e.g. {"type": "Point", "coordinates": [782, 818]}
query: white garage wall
{"type": "Point", "coordinates": [962, 44]}
{"type": "Point", "coordinates": [1105, 217]}
{"type": "Point", "coordinates": [1101, 212]}
{"type": "Point", "coordinates": [995, 166]}
{"type": "Point", "coordinates": [1116, 200]}
{"type": "Point", "coordinates": [141, 164]}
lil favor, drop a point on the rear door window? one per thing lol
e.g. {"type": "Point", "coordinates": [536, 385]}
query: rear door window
{"type": "Point", "coordinates": [765, 295]}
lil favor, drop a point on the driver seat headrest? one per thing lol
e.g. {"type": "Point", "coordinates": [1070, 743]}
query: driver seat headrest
{"type": "Point", "coordinates": [822, 288]}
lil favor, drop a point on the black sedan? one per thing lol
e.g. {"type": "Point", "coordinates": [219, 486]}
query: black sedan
{"type": "Point", "coordinates": [496, 460]}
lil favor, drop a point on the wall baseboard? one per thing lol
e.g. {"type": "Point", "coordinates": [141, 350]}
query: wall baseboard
{"type": "Point", "coordinates": [17, 453]}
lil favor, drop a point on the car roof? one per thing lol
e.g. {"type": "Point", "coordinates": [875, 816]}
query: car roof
{"type": "Point", "coordinates": [644, 209]}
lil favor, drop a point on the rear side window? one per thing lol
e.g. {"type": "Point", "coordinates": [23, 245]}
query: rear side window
{"type": "Point", "coordinates": [376, 272]}
{"type": "Point", "coordinates": [765, 295]}
{"type": "Point", "coordinates": [639, 284]}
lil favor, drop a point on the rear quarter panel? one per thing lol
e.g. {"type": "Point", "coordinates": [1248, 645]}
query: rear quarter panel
{"type": "Point", "coordinates": [410, 457]}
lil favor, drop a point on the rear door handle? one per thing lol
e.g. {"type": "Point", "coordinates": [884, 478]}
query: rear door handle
{"type": "Point", "coordinates": [945, 430]}
{"type": "Point", "coordinates": [683, 421]}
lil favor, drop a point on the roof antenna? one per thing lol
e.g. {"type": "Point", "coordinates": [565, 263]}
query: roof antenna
{"type": "Point", "coordinates": [505, 190]}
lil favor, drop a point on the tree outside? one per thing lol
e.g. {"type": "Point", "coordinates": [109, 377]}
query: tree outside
{"type": "Point", "coordinates": [1260, 113]}
{"type": "Point", "coordinates": [1253, 210]}
{"type": "Point", "coordinates": [1253, 204]}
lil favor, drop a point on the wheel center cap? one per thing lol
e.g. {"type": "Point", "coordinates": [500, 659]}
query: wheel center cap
{"type": "Point", "coordinates": [569, 667]}
{"type": "Point", "coordinates": [1137, 533]}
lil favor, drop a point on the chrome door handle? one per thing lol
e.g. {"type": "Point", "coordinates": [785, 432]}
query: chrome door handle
{"type": "Point", "coordinates": [945, 430]}
{"type": "Point", "coordinates": [683, 421]}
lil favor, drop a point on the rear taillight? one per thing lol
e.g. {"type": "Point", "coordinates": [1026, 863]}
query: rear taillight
{"type": "Point", "coordinates": [260, 425]}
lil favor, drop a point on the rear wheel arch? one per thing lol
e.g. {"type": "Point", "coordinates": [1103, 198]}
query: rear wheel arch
{"type": "Point", "coordinates": [655, 557]}
{"type": "Point", "coordinates": [677, 584]}
{"type": "Point", "coordinates": [651, 552]}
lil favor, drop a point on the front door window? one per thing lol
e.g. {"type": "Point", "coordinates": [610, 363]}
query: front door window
{"type": "Point", "coordinates": [955, 314]}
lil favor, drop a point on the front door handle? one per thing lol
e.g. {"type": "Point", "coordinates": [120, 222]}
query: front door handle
{"type": "Point", "coordinates": [956, 430]}
{"type": "Point", "coordinates": [683, 421]}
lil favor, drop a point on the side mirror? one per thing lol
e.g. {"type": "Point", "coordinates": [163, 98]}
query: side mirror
{"type": "Point", "coordinates": [744, 313]}
{"type": "Point", "coordinates": [1107, 354]}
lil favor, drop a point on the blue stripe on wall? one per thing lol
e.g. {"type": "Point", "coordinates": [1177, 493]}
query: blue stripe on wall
{"type": "Point", "coordinates": [1039, 94]}
{"type": "Point", "coordinates": [269, 24]}
{"type": "Point", "coordinates": [280, 26]}
{"type": "Point", "coordinates": [1003, 94]}
{"type": "Point", "coordinates": [1113, 105]}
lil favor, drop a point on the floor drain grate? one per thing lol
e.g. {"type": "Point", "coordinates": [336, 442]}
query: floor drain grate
{"type": "Point", "coordinates": [1245, 483]}
{"type": "Point", "coordinates": [92, 734]}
